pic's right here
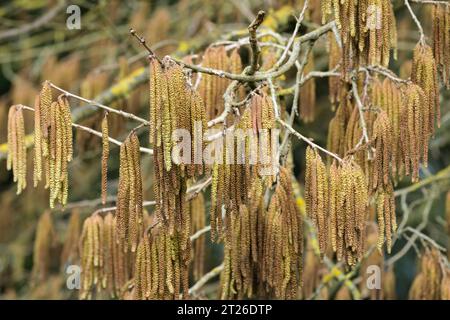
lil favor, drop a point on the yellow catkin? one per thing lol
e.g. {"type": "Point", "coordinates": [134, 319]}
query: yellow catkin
{"type": "Point", "coordinates": [129, 202]}
{"type": "Point", "coordinates": [413, 135]}
{"type": "Point", "coordinates": [197, 212]}
{"type": "Point", "coordinates": [424, 74]}
{"type": "Point", "coordinates": [348, 189]}
{"type": "Point", "coordinates": [282, 242]}
{"type": "Point", "coordinates": [17, 155]}
{"type": "Point", "coordinates": [430, 282]}
{"type": "Point", "coordinates": [307, 99]}
{"type": "Point", "coordinates": [368, 34]}
{"type": "Point", "coordinates": [105, 156]}
{"type": "Point", "coordinates": [441, 40]}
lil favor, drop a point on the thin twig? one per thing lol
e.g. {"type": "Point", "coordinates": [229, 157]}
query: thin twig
{"type": "Point", "coordinates": [96, 133]}
{"type": "Point", "coordinates": [256, 51]}
{"type": "Point", "coordinates": [419, 26]}
{"type": "Point", "coordinates": [203, 280]}
{"type": "Point", "coordinates": [144, 44]}
{"type": "Point", "coordinates": [258, 76]}
{"type": "Point", "coordinates": [36, 24]}
{"type": "Point", "coordinates": [294, 34]}
{"type": "Point", "coordinates": [101, 106]}
{"type": "Point", "coordinates": [200, 232]}
{"type": "Point", "coordinates": [308, 140]}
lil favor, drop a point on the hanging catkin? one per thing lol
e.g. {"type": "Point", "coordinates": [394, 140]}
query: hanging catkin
{"type": "Point", "coordinates": [424, 74]}
{"type": "Point", "coordinates": [105, 156]}
{"type": "Point", "coordinates": [334, 60]}
{"type": "Point", "coordinates": [211, 87]}
{"type": "Point", "coordinates": [237, 281]}
{"type": "Point", "coordinates": [317, 195]}
{"type": "Point", "coordinates": [414, 133]}
{"type": "Point", "coordinates": [348, 207]}
{"type": "Point", "coordinates": [129, 198]}
{"type": "Point", "coordinates": [429, 284]}
{"type": "Point", "coordinates": [116, 272]}
{"type": "Point", "coordinates": [53, 138]}
{"type": "Point", "coordinates": [383, 143]}
{"type": "Point", "coordinates": [41, 124]}
{"type": "Point", "coordinates": [197, 212]}
{"type": "Point", "coordinates": [385, 207]}
{"type": "Point", "coordinates": [441, 40]}
{"type": "Point", "coordinates": [308, 93]}
{"type": "Point", "coordinates": [387, 95]}
{"type": "Point", "coordinates": [231, 180]}
{"type": "Point", "coordinates": [43, 244]}
{"type": "Point", "coordinates": [368, 30]}
{"type": "Point", "coordinates": [161, 267]}
{"type": "Point", "coordinates": [17, 155]}
{"type": "Point", "coordinates": [91, 255]}
{"type": "Point", "coordinates": [282, 241]}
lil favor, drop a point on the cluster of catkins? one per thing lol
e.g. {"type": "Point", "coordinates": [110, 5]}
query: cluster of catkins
{"type": "Point", "coordinates": [212, 88]}
{"type": "Point", "coordinates": [263, 247]}
{"type": "Point", "coordinates": [367, 28]}
{"type": "Point", "coordinates": [337, 200]}
{"type": "Point", "coordinates": [105, 262]}
{"type": "Point", "coordinates": [53, 144]}
{"type": "Point", "coordinates": [241, 161]}
{"type": "Point", "coordinates": [17, 156]}
{"type": "Point", "coordinates": [433, 280]}
{"type": "Point", "coordinates": [441, 40]}
{"type": "Point", "coordinates": [174, 104]}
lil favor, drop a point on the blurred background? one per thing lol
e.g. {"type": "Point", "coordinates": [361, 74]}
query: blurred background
{"type": "Point", "coordinates": [38, 43]}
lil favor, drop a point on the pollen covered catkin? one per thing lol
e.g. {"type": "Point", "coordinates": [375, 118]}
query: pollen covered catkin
{"type": "Point", "coordinates": [368, 31]}
{"type": "Point", "coordinates": [211, 87]}
{"type": "Point", "coordinates": [441, 40]}
{"type": "Point", "coordinates": [414, 134]}
{"type": "Point", "coordinates": [431, 282]}
{"type": "Point", "coordinates": [17, 155]}
{"type": "Point", "coordinates": [282, 241]}
{"type": "Point", "coordinates": [424, 74]}
{"type": "Point", "coordinates": [129, 198]}
{"type": "Point", "coordinates": [197, 212]}
{"type": "Point", "coordinates": [317, 195]}
{"type": "Point", "coordinates": [105, 156]}
{"type": "Point", "coordinates": [161, 266]}
{"type": "Point", "coordinates": [388, 96]}
{"type": "Point", "coordinates": [54, 144]}
{"type": "Point", "coordinates": [308, 93]}
{"type": "Point", "coordinates": [336, 200]}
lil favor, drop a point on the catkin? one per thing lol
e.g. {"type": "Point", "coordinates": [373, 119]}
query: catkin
{"type": "Point", "coordinates": [308, 93]}
{"type": "Point", "coordinates": [414, 134]}
{"type": "Point", "coordinates": [441, 40]}
{"type": "Point", "coordinates": [368, 31]}
{"type": "Point", "coordinates": [211, 87]}
{"type": "Point", "coordinates": [348, 207]}
{"type": "Point", "coordinates": [424, 74]}
{"type": "Point", "coordinates": [282, 242]}
{"type": "Point", "coordinates": [429, 284]}
{"type": "Point", "coordinates": [17, 155]}
{"type": "Point", "coordinates": [197, 212]}
{"type": "Point", "coordinates": [161, 266]}
{"type": "Point", "coordinates": [105, 156]}
{"type": "Point", "coordinates": [129, 198]}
